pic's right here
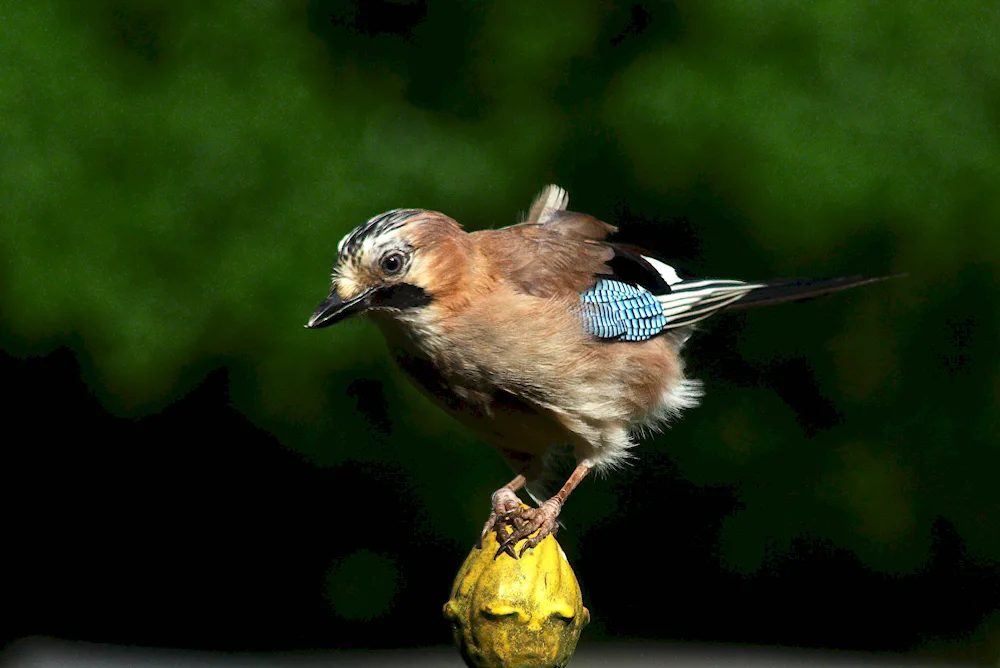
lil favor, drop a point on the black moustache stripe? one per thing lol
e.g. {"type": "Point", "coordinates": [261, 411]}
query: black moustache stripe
{"type": "Point", "coordinates": [400, 296]}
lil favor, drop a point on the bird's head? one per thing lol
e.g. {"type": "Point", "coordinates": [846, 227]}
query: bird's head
{"type": "Point", "coordinates": [395, 263]}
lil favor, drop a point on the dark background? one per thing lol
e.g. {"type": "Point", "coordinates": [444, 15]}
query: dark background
{"type": "Point", "coordinates": [185, 466]}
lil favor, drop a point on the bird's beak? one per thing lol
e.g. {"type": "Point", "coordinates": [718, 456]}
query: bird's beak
{"type": "Point", "coordinates": [334, 309]}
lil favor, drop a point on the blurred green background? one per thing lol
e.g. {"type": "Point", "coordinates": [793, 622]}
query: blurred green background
{"type": "Point", "coordinates": [187, 466]}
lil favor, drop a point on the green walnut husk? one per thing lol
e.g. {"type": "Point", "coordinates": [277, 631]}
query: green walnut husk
{"type": "Point", "coordinates": [516, 613]}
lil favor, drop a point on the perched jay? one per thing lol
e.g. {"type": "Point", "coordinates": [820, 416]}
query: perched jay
{"type": "Point", "coordinates": [536, 335]}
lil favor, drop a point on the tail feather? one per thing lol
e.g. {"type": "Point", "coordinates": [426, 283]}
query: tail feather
{"type": "Point", "coordinates": [776, 292]}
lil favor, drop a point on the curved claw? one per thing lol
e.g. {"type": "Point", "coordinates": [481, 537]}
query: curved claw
{"type": "Point", "coordinates": [505, 506]}
{"type": "Point", "coordinates": [487, 528]}
{"type": "Point", "coordinates": [533, 541]}
{"type": "Point", "coordinates": [539, 521]}
{"type": "Point", "coordinates": [508, 549]}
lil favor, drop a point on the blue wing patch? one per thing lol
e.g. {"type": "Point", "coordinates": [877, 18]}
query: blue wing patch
{"type": "Point", "coordinates": [623, 312]}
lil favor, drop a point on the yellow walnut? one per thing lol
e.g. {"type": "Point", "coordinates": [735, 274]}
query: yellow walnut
{"type": "Point", "coordinates": [516, 613]}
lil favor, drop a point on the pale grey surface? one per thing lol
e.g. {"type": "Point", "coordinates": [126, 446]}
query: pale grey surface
{"type": "Point", "coordinates": [49, 653]}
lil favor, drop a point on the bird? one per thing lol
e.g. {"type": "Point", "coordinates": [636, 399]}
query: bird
{"type": "Point", "coordinates": [540, 336]}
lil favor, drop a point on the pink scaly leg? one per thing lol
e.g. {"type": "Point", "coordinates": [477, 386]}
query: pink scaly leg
{"type": "Point", "coordinates": [527, 521]}
{"type": "Point", "coordinates": [504, 501]}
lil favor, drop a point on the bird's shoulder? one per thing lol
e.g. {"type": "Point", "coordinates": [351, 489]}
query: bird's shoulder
{"type": "Point", "coordinates": [560, 253]}
{"type": "Point", "coordinates": [548, 259]}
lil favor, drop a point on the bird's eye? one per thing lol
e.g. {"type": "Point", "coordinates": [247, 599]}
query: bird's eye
{"type": "Point", "coordinates": [392, 263]}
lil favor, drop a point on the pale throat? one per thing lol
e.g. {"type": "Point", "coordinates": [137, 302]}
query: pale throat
{"type": "Point", "coordinates": [412, 332]}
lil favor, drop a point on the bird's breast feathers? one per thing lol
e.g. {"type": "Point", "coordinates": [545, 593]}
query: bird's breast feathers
{"type": "Point", "coordinates": [527, 373]}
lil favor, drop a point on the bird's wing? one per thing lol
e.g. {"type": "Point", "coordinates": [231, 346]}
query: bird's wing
{"type": "Point", "coordinates": [554, 253]}
{"type": "Point", "coordinates": [620, 305]}
{"type": "Point", "coordinates": [644, 297]}
{"type": "Point", "coordinates": [563, 253]}
{"type": "Point", "coordinates": [625, 292]}
{"type": "Point", "coordinates": [542, 262]}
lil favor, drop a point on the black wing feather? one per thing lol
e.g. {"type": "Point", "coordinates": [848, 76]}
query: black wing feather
{"type": "Point", "coordinates": [629, 265]}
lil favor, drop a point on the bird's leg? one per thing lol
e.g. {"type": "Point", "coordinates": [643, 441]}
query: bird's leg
{"type": "Point", "coordinates": [542, 519]}
{"type": "Point", "coordinates": [504, 501]}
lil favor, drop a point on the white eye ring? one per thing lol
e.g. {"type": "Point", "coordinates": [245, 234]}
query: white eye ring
{"type": "Point", "coordinates": [392, 263]}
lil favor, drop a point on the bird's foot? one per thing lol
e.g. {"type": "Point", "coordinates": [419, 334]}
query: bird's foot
{"type": "Point", "coordinates": [504, 502]}
{"type": "Point", "coordinates": [523, 522]}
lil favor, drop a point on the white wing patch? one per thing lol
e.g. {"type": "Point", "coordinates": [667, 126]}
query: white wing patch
{"type": "Point", "coordinates": [668, 273]}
